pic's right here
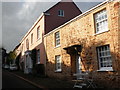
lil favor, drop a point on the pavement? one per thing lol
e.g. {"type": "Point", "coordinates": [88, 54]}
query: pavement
{"type": "Point", "coordinates": [42, 82]}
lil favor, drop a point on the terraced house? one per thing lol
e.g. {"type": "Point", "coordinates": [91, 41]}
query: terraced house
{"type": "Point", "coordinates": [31, 49]}
{"type": "Point", "coordinates": [90, 41]}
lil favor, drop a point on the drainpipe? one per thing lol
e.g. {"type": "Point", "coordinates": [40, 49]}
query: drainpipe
{"type": "Point", "coordinates": [45, 56]}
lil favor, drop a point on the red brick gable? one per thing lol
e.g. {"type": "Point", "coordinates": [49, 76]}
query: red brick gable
{"type": "Point", "coordinates": [53, 21]}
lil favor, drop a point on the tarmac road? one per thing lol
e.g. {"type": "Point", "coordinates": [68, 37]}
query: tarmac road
{"type": "Point", "coordinates": [10, 81]}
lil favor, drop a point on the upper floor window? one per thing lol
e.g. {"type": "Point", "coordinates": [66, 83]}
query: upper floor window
{"type": "Point", "coordinates": [32, 38]}
{"type": "Point", "coordinates": [57, 39]}
{"type": "Point", "coordinates": [57, 63]}
{"type": "Point", "coordinates": [22, 47]}
{"type": "Point", "coordinates": [27, 44]}
{"type": "Point", "coordinates": [104, 57]}
{"type": "Point", "coordinates": [101, 21]}
{"type": "Point", "coordinates": [38, 32]}
{"type": "Point", "coordinates": [61, 13]}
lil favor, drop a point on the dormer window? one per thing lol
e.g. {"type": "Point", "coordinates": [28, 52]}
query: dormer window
{"type": "Point", "coordinates": [61, 13]}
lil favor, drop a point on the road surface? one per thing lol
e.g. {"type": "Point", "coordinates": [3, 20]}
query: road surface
{"type": "Point", "coordinates": [11, 81]}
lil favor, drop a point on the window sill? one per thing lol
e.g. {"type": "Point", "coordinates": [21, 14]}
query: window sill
{"type": "Point", "coordinates": [57, 46]}
{"type": "Point", "coordinates": [105, 70]}
{"type": "Point", "coordinates": [58, 71]}
{"type": "Point", "coordinates": [101, 32]}
{"type": "Point", "coordinates": [38, 39]}
{"type": "Point", "coordinates": [38, 63]}
{"type": "Point", "coordinates": [60, 16]}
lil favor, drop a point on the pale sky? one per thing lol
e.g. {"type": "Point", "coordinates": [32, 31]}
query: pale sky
{"type": "Point", "coordinates": [17, 18]}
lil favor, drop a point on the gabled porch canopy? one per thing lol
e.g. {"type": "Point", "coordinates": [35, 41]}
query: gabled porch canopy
{"type": "Point", "coordinates": [73, 49]}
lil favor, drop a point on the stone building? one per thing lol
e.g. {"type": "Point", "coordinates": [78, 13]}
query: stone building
{"type": "Point", "coordinates": [90, 41]}
{"type": "Point", "coordinates": [33, 39]}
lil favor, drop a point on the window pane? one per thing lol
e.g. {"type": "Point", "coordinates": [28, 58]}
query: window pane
{"type": "Point", "coordinates": [38, 56]}
{"type": "Point", "coordinates": [104, 56]}
{"type": "Point", "coordinates": [60, 13]}
{"type": "Point", "coordinates": [27, 44]}
{"type": "Point", "coordinates": [101, 21]}
{"type": "Point", "coordinates": [57, 39]}
{"type": "Point", "coordinates": [101, 64]}
{"type": "Point", "coordinates": [38, 32]}
{"type": "Point", "coordinates": [57, 62]}
{"type": "Point", "coordinates": [31, 38]}
{"type": "Point", "coordinates": [59, 65]}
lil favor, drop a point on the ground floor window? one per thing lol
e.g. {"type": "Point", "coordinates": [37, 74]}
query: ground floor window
{"type": "Point", "coordinates": [58, 63]}
{"type": "Point", "coordinates": [104, 57]}
{"type": "Point", "coordinates": [38, 56]}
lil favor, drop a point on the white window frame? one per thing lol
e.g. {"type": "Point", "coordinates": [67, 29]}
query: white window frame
{"type": "Point", "coordinates": [104, 58]}
{"type": "Point", "coordinates": [61, 13]}
{"type": "Point", "coordinates": [38, 56]}
{"type": "Point", "coordinates": [57, 39]}
{"type": "Point", "coordinates": [101, 21]}
{"type": "Point", "coordinates": [58, 67]}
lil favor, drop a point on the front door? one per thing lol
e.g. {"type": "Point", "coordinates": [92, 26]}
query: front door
{"type": "Point", "coordinates": [28, 62]}
{"type": "Point", "coordinates": [26, 65]}
{"type": "Point", "coordinates": [78, 65]}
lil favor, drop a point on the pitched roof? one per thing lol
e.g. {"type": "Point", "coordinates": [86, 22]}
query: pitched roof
{"type": "Point", "coordinates": [60, 2]}
{"type": "Point", "coordinates": [43, 15]}
{"type": "Point", "coordinates": [79, 16]}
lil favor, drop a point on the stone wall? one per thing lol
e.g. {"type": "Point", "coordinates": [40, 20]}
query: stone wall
{"type": "Point", "coordinates": [81, 31]}
{"type": "Point", "coordinates": [118, 55]}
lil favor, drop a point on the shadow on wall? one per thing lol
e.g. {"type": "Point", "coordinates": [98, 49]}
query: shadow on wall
{"type": "Point", "coordinates": [90, 62]}
{"type": "Point", "coordinates": [39, 69]}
